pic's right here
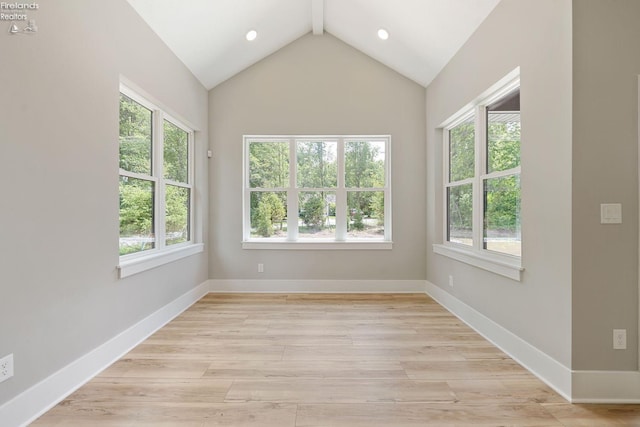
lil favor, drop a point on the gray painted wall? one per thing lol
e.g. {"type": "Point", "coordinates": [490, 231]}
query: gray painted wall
{"type": "Point", "coordinates": [535, 35]}
{"type": "Point", "coordinates": [59, 295]}
{"type": "Point", "coordinates": [318, 85]}
{"type": "Point", "coordinates": [606, 59]}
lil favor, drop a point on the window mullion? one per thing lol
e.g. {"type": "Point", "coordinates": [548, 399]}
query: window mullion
{"type": "Point", "coordinates": [158, 172]}
{"type": "Point", "coordinates": [341, 196]}
{"type": "Point", "coordinates": [502, 174]}
{"type": "Point", "coordinates": [138, 175]}
{"type": "Point", "coordinates": [461, 182]}
{"type": "Point", "coordinates": [387, 186]}
{"type": "Point", "coordinates": [478, 185]}
{"type": "Point", "coordinates": [445, 178]}
{"type": "Point", "coordinates": [292, 195]}
{"type": "Point", "coordinates": [191, 176]}
{"type": "Point", "coordinates": [177, 183]}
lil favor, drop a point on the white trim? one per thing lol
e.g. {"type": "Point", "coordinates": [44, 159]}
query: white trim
{"type": "Point", "coordinates": [501, 88]}
{"type": "Point", "coordinates": [499, 264]}
{"type": "Point", "coordinates": [478, 202]}
{"type": "Point", "coordinates": [477, 109]}
{"type": "Point", "coordinates": [32, 403]}
{"type": "Point", "coordinates": [129, 267]}
{"type": "Point", "coordinates": [161, 253]}
{"type": "Point", "coordinates": [341, 199]}
{"type": "Point", "coordinates": [317, 286]}
{"type": "Point", "coordinates": [543, 366]}
{"type": "Point", "coordinates": [638, 126]}
{"type": "Point", "coordinates": [138, 94]}
{"type": "Point", "coordinates": [139, 176]}
{"type": "Point", "coordinates": [606, 387]}
{"type": "Point", "coordinates": [318, 245]}
{"type": "Point", "coordinates": [466, 181]}
{"type": "Point", "coordinates": [501, 174]}
{"type": "Point", "coordinates": [292, 191]}
{"type": "Point", "coordinates": [157, 170]}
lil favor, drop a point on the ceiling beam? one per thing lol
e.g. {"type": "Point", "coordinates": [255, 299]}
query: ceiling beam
{"type": "Point", "coordinates": [317, 17]}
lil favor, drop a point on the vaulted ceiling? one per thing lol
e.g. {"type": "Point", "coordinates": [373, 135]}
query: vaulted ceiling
{"type": "Point", "coordinates": [209, 35]}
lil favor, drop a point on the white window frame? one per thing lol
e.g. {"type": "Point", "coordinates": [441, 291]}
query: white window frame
{"type": "Point", "coordinates": [503, 264]}
{"type": "Point", "coordinates": [292, 241]}
{"type": "Point", "coordinates": [161, 253]}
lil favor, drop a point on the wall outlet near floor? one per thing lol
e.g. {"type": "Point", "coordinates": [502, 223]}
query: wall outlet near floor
{"type": "Point", "coordinates": [451, 281]}
{"type": "Point", "coordinates": [6, 367]}
{"type": "Point", "coordinates": [260, 268]}
{"type": "Point", "coordinates": [619, 339]}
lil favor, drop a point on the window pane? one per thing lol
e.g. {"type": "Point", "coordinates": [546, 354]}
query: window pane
{"type": "Point", "coordinates": [317, 165]}
{"type": "Point", "coordinates": [503, 133]}
{"type": "Point", "coordinates": [460, 214]}
{"type": "Point", "coordinates": [364, 164]}
{"type": "Point", "coordinates": [136, 215]}
{"type": "Point", "coordinates": [461, 151]}
{"type": "Point", "coordinates": [177, 214]}
{"type": "Point", "coordinates": [269, 164]}
{"type": "Point", "coordinates": [502, 215]}
{"type": "Point", "coordinates": [135, 136]}
{"type": "Point", "coordinates": [268, 214]}
{"type": "Point", "coordinates": [176, 153]}
{"type": "Point", "coordinates": [317, 214]}
{"type": "Point", "coordinates": [365, 214]}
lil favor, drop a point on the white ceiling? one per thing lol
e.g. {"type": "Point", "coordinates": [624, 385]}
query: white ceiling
{"type": "Point", "coordinates": [209, 35]}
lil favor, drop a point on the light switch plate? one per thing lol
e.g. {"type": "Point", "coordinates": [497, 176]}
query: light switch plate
{"type": "Point", "coordinates": [611, 213]}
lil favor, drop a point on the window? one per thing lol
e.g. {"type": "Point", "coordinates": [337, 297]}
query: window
{"type": "Point", "coordinates": [156, 179]}
{"type": "Point", "coordinates": [501, 178]}
{"type": "Point", "coordinates": [316, 190]}
{"type": "Point", "coordinates": [482, 181]}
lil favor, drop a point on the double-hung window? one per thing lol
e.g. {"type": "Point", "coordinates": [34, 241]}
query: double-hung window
{"type": "Point", "coordinates": [317, 192]}
{"type": "Point", "coordinates": [156, 180]}
{"type": "Point", "coordinates": [482, 183]}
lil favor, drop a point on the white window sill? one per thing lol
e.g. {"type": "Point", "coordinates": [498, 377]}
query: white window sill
{"type": "Point", "coordinates": [319, 245]}
{"type": "Point", "coordinates": [504, 266]}
{"type": "Point", "coordinates": [138, 264]}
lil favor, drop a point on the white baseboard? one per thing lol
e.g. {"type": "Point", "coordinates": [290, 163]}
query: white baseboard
{"type": "Point", "coordinates": [32, 403]}
{"type": "Point", "coordinates": [549, 370]}
{"type": "Point", "coordinates": [576, 386]}
{"type": "Point", "coordinates": [606, 387]}
{"type": "Point", "coordinates": [317, 286]}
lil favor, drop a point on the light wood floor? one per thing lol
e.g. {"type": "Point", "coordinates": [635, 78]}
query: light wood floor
{"type": "Point", "coordinates": [321, 360]}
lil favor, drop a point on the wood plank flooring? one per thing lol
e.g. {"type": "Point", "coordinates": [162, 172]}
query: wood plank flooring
{"type": "Point", "coordinates": [321, 360]}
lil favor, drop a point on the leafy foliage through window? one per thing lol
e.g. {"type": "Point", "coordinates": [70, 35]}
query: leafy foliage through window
{"type": "Point", "coordinates": [490, 139]}
{"type": "Point", "coordinates": [316, 188]}
{"type": "Point", "coordinates": [155, 177]}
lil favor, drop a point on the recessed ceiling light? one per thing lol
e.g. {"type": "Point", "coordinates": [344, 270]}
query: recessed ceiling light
{"type": "Point", "coordinates": [251, 35]}
{"type": "Point", "coordinates": [383, 34]}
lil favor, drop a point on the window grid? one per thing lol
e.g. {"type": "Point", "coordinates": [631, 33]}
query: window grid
{"type": "Point", "coordinates": [481, 176]}
{"type": "Point", "coordinates": [160, 183]}
{"type": "Point", "coordinates": [293, 191]}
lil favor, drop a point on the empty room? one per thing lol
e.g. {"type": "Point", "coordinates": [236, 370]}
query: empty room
{"type": "Point", "coordinates": [319, 213]}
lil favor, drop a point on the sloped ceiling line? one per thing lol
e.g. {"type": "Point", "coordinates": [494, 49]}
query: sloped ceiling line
{"type": "Point", "coordinates": [209, 35]}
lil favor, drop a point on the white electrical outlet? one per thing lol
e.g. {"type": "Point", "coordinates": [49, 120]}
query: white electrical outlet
{"type": "Point", "coordinates": [451, 281]}
{"type": "Point", "coordinates": [6, 367]}
{"type": "Point", "coordinates": [260, 268]}
{"type": "Point", "coordinates": [619, 339]}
